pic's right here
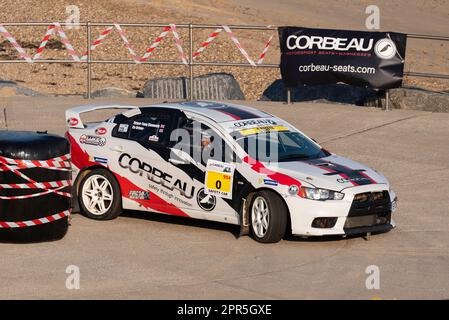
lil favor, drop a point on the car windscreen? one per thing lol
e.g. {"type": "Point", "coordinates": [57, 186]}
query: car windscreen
{"type": "Point", "coordinates": [280, 146]}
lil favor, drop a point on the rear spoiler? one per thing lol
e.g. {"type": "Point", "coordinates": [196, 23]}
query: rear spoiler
{"type": "Point", "coordinates": [72, 116]}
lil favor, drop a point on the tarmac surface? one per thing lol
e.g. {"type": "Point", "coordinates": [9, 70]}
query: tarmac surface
{"type": "Point", "coordinates": [149, 256]}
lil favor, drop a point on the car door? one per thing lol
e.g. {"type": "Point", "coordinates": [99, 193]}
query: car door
{"type": "Point", "coordinates": [188, 161]}
{"type": "Point", "coordinates": [141, 152]}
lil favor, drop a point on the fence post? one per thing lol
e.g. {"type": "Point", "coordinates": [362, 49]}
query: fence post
{"type": "Point", "coordinates": [289, 95]}
{"type": "Point", "coordinates": [191, 86]}
{"type": "Point", "coordinates": [89, 66]}
{"type": "Point", "coordinates": [387, 100]}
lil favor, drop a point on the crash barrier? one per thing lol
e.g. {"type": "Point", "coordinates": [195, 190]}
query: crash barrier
{"type": "Point", "coordinates": [190, 59]}
{"type": "Point", "coordinates": [35, 186]}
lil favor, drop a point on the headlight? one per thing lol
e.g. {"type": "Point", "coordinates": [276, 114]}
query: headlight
{"type": "Point", "coordinates": [320, 194]}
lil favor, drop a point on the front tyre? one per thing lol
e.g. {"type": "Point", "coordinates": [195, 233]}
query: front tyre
{"type": "Point", "coordinates": [99, 195]}
{"type": "Point", "coordinates": [268, 217]}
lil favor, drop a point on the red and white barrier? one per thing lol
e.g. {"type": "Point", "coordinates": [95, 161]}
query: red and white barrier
{"type": "Point", "coordinates": [15, 44]}
{"type": "Point", "coordinates": [62, 162]}
{"type": "Point", "coordinates": [265, 50]}
{"type": "Point", "coordinates": [35, 222]}
{"type": "Point", "coordinates": [172, 27]}
{"type": "Point", "coordinates": [234, 39]}
{"type": "Point", "coordinates": [206, 43]}
{"type": "Point", "coordinates": [239, 46]}
{"type": "Point", "coordinates": [15, 165]}
{"type": "Point", "coordinates": [154, 45]}
{"type": "Point", "coordinates": [97, 42]}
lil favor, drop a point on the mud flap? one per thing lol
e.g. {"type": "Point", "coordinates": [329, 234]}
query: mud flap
{"type": "Point", "coordinates": [244, 216]}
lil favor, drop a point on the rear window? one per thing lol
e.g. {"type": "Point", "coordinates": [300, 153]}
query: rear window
{"type": "Point", "coordinates": [149, 127]}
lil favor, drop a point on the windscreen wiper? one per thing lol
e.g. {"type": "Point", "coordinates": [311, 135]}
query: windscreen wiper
{"type": "Point", "coordinates": [294, 156]}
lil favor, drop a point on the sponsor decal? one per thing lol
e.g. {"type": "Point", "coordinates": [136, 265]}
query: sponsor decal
{"type": "Point", "coordinates": [270, 182]}
{"type": "Point", "coordinates": [328, 43]}
{"type": "Point", "coordinates": [123, 127]}
{"type": "Point", "coordinates": [139, 125]}
{"type": "Point", "coordinates": [101, 131]}
{"type": "Point", "coordinates": [73, 122]}
{"type": "Point", "coordinates": [354, 176]}
{"type": "Point", "coordinates": [385, 49]}
{"type": "Point", "coordinates": [254, 122]}
{"type": "Point", "coordinates": [207, 202]}
{"type": "Point", "coordinates": [153, 138]}
{"type": "Point", "coordinates": [265, 129]}
{"type": "Point", "coordinates": [139, 195]}
{"type": "Point", "coordinates": [259, 167]}
{"type": "Point", "coordinates": [219, 178]}
{"type": "Point", "coordinates": [156, 175]}
{"type": "Point", "coordinates": [355, 180]}
{"type": "Point", "coordinates": [80, 159]}
{"type": "Point", "coordinates": [92, 140]}
{"type": "Point", "coordinates": [324, 56]}
{"type": "Point", "coordinates": [101, 160]}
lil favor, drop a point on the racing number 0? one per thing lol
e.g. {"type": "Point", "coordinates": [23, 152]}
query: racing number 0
{"type": "Point", "coordinates": [218, 184]}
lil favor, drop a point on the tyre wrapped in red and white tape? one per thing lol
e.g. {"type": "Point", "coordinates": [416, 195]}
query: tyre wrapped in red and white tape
{"type": "Point", "coordinates": [35, 186]}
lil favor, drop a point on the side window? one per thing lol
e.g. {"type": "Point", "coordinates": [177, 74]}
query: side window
{"type": "Point", "coordinates": [147, 128]}
{"type": "Point", "coordinates": [204, 143]}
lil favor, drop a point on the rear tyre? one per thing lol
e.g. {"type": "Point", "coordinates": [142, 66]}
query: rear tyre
{"type": "Point", "coordinates": [99, 195]}
{"type": "Point", "coordinates": [268, 217]}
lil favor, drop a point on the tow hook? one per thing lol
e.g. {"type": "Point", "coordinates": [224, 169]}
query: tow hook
{"type": "Point", "coordinates": [367, 236]}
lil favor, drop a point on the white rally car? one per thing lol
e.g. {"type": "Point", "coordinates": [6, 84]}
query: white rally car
{"type": "Point", "coordinates": [209, 160]}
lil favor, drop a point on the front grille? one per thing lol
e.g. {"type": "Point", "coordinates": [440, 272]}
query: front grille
{"type": "Point", "coordinates": [369, 209]}
{"type": "Point", "coordinates": [370, 203]}
{"type": "Point", "coordinates": [367, 221]}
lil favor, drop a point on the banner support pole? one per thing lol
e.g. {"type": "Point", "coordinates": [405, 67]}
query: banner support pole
{"type": "Point", "coordinates": [387, 100]}
{"type": "Point", "coordinates": [191, 88]}
{"type": "Point", "coordinates": [89, 65]}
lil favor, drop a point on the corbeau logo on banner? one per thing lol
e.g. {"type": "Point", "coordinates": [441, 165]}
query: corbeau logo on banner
{"type": "Point", "coordinates": [323, 56]}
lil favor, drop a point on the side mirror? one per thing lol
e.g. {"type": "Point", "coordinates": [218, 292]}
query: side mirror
{"type": "Point", "coordinates": [179, 157]}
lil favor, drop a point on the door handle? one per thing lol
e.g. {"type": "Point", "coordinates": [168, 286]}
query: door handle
{"type": "Point", "coordinates": [177, 162]}
{"type": "Point", "coordinates": [117, 149]}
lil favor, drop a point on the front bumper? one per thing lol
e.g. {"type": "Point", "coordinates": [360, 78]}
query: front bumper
{"type": "Point", "coordinates": [349, 220]}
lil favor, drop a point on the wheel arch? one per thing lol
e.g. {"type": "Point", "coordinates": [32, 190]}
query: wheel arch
{"type": "Point", "coordinates": [76, 184]}
{"type": "Point", "coordinates": [248, 196]}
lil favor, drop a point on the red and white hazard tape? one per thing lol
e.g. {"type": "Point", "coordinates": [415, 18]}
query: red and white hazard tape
{"type": "Point", "coordinates": [15, 44]}
{"type": "Point", "coordinates": [178, 43]}
{"type": "Point", "coordinates": [148, 52]}
{"type": "Point", "coordinates": [97, 42]}
{"type": "Point", "coordinates": [35, 222]}
{"type": "Point", "coordinates": [34, 195]}
{"type": "Point", "coordinates": [50, 31]}
{"type": "Point", "coordinates": [36, 185]}
{"type": "Point", "coordinates": [77, 58]}
{"type": "Point", "coordinates": [66, 42]}
{"type": "Point", "coordinates": [239, 46]}
{"type": "Point", "coordinates": [15, 165]}
{"type": "Point", "coordinates": [62, 162]}
{"type": "Point", "coordinates": [265, 50]}
{"type": "Point", "coordinates": [234, 39]}
{"type": "Point", "coordinates": [206, 43]}
{"type": "Point", "coordinates": [154, 45]}
{"type": "Point", "coordinates": [122, 35]}
{"type": "Point", "coordinates": [56, 26]}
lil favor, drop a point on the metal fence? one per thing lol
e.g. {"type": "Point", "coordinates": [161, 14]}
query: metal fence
{"type": "Point", "coordinates": [190, 61]}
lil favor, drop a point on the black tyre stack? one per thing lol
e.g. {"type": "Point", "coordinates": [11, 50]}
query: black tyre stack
{"type": "Point", "coordinates": [21, 145]}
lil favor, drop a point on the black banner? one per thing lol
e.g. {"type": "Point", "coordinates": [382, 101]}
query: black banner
{"type": "Point", "coordinates": [360, 58]}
